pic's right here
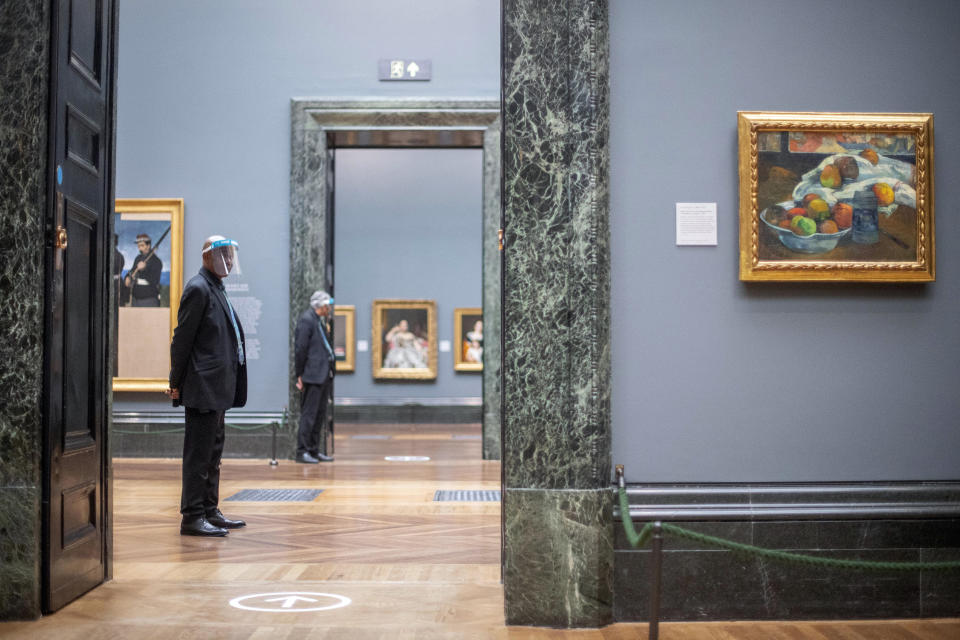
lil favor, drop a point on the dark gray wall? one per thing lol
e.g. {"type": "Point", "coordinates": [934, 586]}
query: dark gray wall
{"type": "Point", "coordinates": [204, 95]}
{"type": "Point", "coordinates": [715, 380]}
{"type": "Point", "coordinates": [408, 225]}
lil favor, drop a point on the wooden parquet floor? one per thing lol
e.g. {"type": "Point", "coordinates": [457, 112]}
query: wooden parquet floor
{"type": "Point", "coordinates": [412, 568]}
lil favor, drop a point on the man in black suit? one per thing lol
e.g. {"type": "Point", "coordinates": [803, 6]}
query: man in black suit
{"type": "Point", "coordinates": [315, 366]}
{"type": "Point", "coordinates": [208, 375]}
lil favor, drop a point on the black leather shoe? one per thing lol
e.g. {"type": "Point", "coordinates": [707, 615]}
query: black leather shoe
{"type": "Point", "coordinates": [200, 526]}
{"type": "Point", "coordinates": [306, 458]}
{"type": "Point", "coordinates": [217, 519]}
{"type": "Point", "coordinates": [323, 458]}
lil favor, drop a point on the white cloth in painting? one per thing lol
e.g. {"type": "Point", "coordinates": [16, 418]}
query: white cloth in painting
{"type": "Point", "coordinates": [901, 176]}
{"type": "Point", "coordinates": [406, 352]}
{"type": "Point", "coordinates": [475, 354]}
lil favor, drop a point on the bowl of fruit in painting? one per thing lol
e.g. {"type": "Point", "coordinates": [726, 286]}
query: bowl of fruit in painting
{"type": "Point", "coordinates": [811, 225]}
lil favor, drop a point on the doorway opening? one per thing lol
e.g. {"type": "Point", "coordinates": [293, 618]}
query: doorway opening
{"type": "Point", "coordinates": [319, 129]}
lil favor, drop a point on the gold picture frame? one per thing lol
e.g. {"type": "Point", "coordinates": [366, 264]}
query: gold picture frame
{"type": "Point", "coordinates": [404, 340]}
{"type": "Point", "coordinates": [836, 197]}
{"type": "Point", "coordinates": [145, 307]}
{"type": "Point", "coordinates": [468, 339]}
{"type": "Point", "coordinates": [344, 340]}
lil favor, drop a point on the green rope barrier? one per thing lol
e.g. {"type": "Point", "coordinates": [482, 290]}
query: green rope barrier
{"type": "Point", "coordinates": [639, 539]}
{"type": "Point", "coordinates": [249, 428]}
{"type": "Point", "coordinates": [149, 433]}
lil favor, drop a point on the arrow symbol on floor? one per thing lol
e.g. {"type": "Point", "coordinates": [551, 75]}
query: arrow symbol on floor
{"type": "Point", "coordinates": [289, 601]}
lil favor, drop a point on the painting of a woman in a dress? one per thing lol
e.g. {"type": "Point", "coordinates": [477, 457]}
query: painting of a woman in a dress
{"type": "Point", "coordinates": [404, 340]}
{"type": "Point", "coordinates": [403, 349]}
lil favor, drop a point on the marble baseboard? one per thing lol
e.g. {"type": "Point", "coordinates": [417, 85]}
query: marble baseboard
{"type": "Point", "coordinates": [899, 522]}
{"type": "Point", "coordinates": [558, 552]}
{"type": "Point", "coordinates": [432, 414]}
{"type": "Point", "coordinates": [19, 553]}
{"type": "Point", "coordinates": [158, 441]}
{"type": "Point", "coordinates": [701, 585]}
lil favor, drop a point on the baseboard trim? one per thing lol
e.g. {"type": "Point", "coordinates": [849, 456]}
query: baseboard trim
{"type": "Point", "coordinates": [792, 501]}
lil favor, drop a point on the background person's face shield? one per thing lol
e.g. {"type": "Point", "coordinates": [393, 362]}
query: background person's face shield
{"type": "Point", "coordinates": [224, 256]}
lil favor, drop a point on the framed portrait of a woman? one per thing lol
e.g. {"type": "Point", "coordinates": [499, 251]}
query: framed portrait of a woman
{"type": "Point", "coordinates": [404, 340]}
{"type": "Point", "coordinates": [468, 331]}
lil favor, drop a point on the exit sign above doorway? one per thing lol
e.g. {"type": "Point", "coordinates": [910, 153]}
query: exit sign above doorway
{"type": "Point", "coordinates": [404, 69]}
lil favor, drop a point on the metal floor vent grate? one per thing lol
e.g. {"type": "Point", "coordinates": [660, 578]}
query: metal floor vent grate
{"type": "Point", "coordinates": [275, 495]}
{"type": "Point", "coordinates": [466, 496]}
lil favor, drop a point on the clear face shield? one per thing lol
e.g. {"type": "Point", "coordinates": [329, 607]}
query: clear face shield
{"type": "Point", "coordinates": [224, 257]}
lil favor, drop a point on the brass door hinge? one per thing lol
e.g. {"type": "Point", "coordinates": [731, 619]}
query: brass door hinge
{"type": "Point", "coordinates": [500, 239]}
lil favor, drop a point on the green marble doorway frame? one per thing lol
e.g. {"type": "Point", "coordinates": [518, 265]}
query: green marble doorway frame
{"type": "Point", "coordinates": [318, 127]}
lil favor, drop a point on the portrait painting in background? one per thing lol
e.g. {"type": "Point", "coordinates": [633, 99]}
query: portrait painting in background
{"type": "Point", "coordinates": [836, 196]}
{"type": "Point", "coordinates": [404, 339]}
{"type": "Point", "coordinates": [147, 281]}
{"type": "Point", "coordinates": [344, 342]}
{"type": "Point", "coordinates": [468, 330]}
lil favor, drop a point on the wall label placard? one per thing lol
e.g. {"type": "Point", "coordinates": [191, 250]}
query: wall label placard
{"type": "Point", "coordinates": [248, 310]}
{"type": "Point", "coordinates": [697, 223]}
{"type": "Point", "coordinates": [399, 69]}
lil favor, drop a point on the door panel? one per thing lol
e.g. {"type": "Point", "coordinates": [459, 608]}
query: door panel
{"type": "Point", "coordinates": [77, 279]}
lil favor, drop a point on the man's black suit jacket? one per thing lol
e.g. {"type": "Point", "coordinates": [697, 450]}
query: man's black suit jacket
{"type": "Point", "coordinates": [311, 358]}
{"type": "Point", "coordinates": [204, 363]}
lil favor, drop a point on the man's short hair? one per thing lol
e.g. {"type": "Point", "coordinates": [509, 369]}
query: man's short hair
{"type": "Point", "coordinates": [144, 237]}
{"type": "Point", "coordinates": [319, 299]}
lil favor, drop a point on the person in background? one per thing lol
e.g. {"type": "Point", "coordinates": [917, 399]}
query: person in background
{"type": "Point", "coordinates": [314, 366]}
{"type": "Point", "coordinates": [143, 279]}
{"type": "Point", "coordinates": [208, 375]}
{"type": "Point", "coordinates": [119, 297]}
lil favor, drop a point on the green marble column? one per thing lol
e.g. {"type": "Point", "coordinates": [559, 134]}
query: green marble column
{"type": "Point", "coordinates": [24, 78]}
{"type": "Point", "coordinates": [558, 524]}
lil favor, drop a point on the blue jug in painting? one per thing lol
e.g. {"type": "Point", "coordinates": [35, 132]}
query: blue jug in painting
{"type": "Point", "coordinates": [866, 229]}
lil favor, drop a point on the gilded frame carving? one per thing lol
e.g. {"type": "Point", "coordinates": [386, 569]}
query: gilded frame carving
{"type": "Point", "coordinates": [345, 341]}
{"type": "Point", "coordinates": [464, 320]}
{"type": "Point", "coordinates": [876, 236]}
{"type": "Point", "coordinates": [392, 354]}
{"type": "Point", "coordinates": [148, 371]}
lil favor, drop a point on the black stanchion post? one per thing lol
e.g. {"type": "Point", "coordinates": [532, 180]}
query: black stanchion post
{"type": "Point", "coordinates": [656, 568]}
{"type": "Point", "coordinates": [273, 443]}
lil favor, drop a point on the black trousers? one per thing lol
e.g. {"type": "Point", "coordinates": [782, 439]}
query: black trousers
{"type": "Point", "coordinates": [313, 413]}
{"type": "Point", "coordinates": [202, 449]}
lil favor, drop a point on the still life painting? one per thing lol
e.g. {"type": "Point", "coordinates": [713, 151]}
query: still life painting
{"type": "Point", "coordinates": [830, 196]}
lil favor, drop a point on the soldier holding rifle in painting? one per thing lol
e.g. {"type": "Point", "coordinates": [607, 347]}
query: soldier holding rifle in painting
{"type": "Point", "coordinates": [143, 279]}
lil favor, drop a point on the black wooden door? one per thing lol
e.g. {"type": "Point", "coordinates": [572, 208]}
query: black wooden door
{"type": "Point", "coordinates": [76, 468]}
